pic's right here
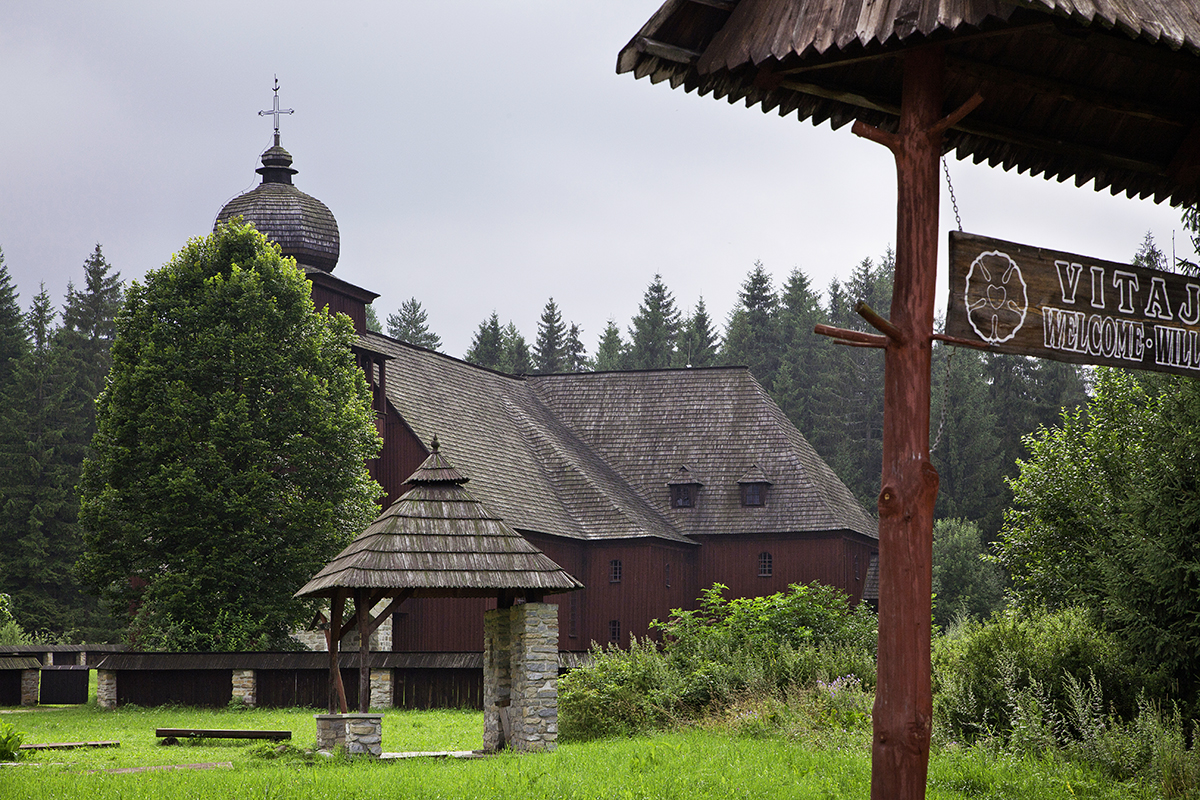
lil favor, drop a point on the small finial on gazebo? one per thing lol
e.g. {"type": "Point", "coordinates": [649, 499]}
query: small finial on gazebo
{"type": "Point", "coordinates": [433, 443]}
{"type": "Point", "coordinates": [276, 111]}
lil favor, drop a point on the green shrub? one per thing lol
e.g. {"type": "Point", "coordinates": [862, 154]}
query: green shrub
{"type": "Point", "coordinates": [721, 653]}
{"type": "Point", "coordinates": [988, 675]}
{"type": "Point", "coordinates": [10, 742]}
{"type": "Point", "coordinates": [622, 692]}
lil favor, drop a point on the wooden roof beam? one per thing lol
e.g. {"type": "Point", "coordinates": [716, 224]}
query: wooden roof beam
{"type": "Point", "coordinates": [1064, 90]}
{"type": "Point", "coordinates": [668, 52]}
{"type": "Point", "coordinates": [722, 5]}
{"type": "Point", "coordinates": [987, 131]}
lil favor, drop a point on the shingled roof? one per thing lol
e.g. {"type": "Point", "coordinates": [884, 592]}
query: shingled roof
{"type": "Point", "coordinates": [437, 540]}
{"type": "Point", "coordinates": [1092, 90]}
{"type": "Point", "coordinates": [590, 455]}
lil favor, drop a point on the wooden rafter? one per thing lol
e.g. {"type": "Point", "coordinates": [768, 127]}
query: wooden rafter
{"type": "Point", "coordinates": [670, 52]}
{"type": "Point", "coordinates": [1065, 90]}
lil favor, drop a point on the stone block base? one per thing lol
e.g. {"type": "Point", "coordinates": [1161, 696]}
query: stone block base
{"type": "Point", "coordinates": [106, 688]}
{"type": "Point", "coordinates": [381, 688]}
{"type": "Point", "coordinates": [364, 734]}
{"type": "Point", "coordinates": [244, 687]}
{"type": "Point", "coordinates": [30, 684]}
{"type": "Point", "coordinates": [331, 731]}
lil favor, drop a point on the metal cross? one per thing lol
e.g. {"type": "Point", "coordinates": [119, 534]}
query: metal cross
{"type": "Point", "coordinates": [276, 111]}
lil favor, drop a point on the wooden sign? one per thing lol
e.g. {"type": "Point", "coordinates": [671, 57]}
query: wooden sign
{"type": "Point", "coordinates": [1014, 298]}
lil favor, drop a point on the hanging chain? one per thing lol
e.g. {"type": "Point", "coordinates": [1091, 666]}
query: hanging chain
{"type": "Point", "coordinates": [953, 201]}
{"type": "Point", "coordinates": [949, 356]}
{"type": "Point", "coordinates": [945, 393]}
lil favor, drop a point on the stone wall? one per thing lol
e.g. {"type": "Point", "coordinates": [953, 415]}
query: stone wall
{"type": "Point", "coordinates": [520, 677]}
{"type": "Point", "coordinates": [381, 639]}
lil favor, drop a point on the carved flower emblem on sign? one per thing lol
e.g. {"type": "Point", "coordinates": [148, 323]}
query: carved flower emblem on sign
{"type": "Point", "coordinates": [995, 297]}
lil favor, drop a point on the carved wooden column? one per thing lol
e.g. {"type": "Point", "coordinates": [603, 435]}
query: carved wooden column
{"type": "Point", "coordinates": [903, 704]}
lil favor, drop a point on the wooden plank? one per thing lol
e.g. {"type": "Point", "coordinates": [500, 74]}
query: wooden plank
{"type": "Point", "coordinates": [220, 733]}
{"type": "Point", "coordinates": [69, 745]}
{"type": "Point", "coordinates": [1015, 298]}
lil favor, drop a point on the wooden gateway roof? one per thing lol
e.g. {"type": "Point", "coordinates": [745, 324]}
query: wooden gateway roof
{"type": "Point", "coordinates": [1064, 82]}
{"type": "Point", "coordinates": [590, 455]}
{"type": "Point", "coordinates": [439, 541]}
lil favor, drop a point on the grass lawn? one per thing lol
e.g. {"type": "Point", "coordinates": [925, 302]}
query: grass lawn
{"type": "Point", "coordinates": [694, 763]}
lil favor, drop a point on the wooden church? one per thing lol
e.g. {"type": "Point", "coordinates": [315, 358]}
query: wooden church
{"type": "Point", "coordinates": [646, 486]}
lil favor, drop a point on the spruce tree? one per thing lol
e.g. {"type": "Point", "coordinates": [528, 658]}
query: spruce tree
{"type": "Point", "coordinates": [487, 346]}
{"type": "Point", "coordinates": [516, 359]}
{"type": "Point", "coordinates": [752, 333]}
{"type": "Point", "coordinates": [13, 339]}
{"type": "Point", "coordinates": [576, 353]}
{"type": "Point", "coordinates": [38, 538]}
{"type": "Point", "coordinates": [86, 337]}
{"type": "Point", "coordinates": [411, 325]}
{"type": "Point", "coordinates": [373, 323]}
{"type": "Point", "coordinates": [967, 454]}
{"type": "Point", "coordinates": [698, 343]}
{"type": "Point", "coordinates": [655, 329]}
{"type": "Point", "coordinates": [549, 350]}
{"type": "Point", "coordinates": [806, 355]}
{"type": "Point", "coordinates": [612, 354]}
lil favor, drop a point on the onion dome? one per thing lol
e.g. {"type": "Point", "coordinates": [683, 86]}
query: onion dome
{"type": "Point", "coordinates": [302, 226]}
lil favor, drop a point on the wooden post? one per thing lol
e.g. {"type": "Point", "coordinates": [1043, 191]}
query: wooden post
{"type": "Point", "coordinates": [903, 705]}
{"type": "Point", "coordinates": [362, 605]}
{"type": "Point", "coordinates": [337, 692]}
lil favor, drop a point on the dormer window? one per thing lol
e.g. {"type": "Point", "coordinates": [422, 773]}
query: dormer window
{"type": "Point", "coordinates": [683, 496]}
{"type": "Point", "coordinates": [685, 489]}
{"type": "Point", "coordinates": [754, 494]}
{"type": "Point", "coordinates": [754, 485]}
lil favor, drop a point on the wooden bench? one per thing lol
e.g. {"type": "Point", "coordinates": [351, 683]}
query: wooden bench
{"type": "Point", "coordinates": [173, 735]}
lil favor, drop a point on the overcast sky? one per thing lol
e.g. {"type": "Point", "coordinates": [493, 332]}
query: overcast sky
{"type": "Point", "coordinates": [477, 155]}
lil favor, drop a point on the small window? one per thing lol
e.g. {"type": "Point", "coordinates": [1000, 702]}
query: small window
{"type": "Point", "coordinates": [573, 619]}
{"type": "Point", "coordinates": [668, 572]}
{"type": "Point", "coordinates": [683, 495]}
{"type": "Point", "coordinates": [856, 576]}
{"type": "Point", "coordinates": [614, 631]}
{"type": "Point", "coordinates": [614, 571]}
{"type": "Point", "coordinates": [766, 567]}
{"type": "Point", "coordinates": [754, 494]}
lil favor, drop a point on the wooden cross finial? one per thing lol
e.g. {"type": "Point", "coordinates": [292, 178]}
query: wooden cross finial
{"type": "Point", "coordinates": [276, 111]}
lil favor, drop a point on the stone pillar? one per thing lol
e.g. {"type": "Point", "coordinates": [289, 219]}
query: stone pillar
{"type": "Point", "coordinates": [106, 688]}
{"type": "Point", "coordinates": [364, 734]}
{"type": "Point", "coordinates": [534, 643]}
{"type": "Point", "coordinates": [30, 683]}
{"type": "Point", "coordinates": [331, 731]}
{"type": "Point", "coordinates": [244, 686]}
{"type": "Point", "coordinates": [381, 688]}
{"type": "Point", "coordinates": [497, 679]}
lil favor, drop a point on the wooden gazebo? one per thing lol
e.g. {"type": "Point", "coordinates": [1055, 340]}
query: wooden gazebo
{"type": "Point", "coordinates": [436, 540]}
{"type": "Point", "coordinates": [1100, 91]}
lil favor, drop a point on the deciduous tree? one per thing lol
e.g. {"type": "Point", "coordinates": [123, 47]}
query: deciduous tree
{"type": "Point", "coordinates": [228, 463]}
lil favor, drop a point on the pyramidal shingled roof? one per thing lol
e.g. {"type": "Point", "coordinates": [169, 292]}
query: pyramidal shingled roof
{"type": "Point", "coordinates": [590, 455]}
{"type": "Point", "coordinates": [437, 541]}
